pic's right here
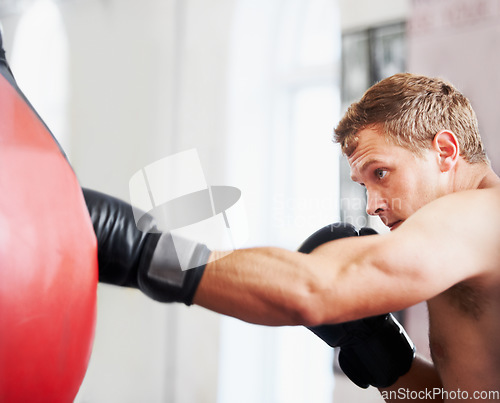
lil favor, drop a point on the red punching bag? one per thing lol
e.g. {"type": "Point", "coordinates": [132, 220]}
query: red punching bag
{"type": "Point", "coordinates": [48, 260]}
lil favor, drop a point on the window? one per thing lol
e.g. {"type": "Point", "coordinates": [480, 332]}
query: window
{"type": "Point", "coordinates": [284, 99]}
{"type": "Point", "coordinates": [368, 56]}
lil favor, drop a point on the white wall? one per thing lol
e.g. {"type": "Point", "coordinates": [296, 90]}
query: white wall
{"type": "Point", "coordinates": [146, 80]}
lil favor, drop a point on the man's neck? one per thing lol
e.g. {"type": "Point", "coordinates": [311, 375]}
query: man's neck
{"type": "Point", "coordinates": [475, 176]}
{"type": "Point", "coordinates": [490, 180]}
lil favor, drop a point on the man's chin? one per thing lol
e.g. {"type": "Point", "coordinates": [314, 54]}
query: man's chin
{"type": "Point", "coordinates": [395, 224]}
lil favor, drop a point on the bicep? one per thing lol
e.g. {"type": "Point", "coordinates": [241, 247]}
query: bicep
{"type": "Point", "coordinates": [367, 276]}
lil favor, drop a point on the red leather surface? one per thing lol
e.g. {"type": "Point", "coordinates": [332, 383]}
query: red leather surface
{"type": "Point", "coordinates": [48, 263]}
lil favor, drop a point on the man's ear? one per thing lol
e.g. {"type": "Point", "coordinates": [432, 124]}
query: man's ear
{"type": "Point", "coordinates": [446, 145]}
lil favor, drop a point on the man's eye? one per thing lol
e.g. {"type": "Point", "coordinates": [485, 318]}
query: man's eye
{"type": "Point", "coordinates": [380, 173]}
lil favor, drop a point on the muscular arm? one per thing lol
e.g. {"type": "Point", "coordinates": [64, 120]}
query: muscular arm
{"type": "Point", "coordinates": [357, 277]}
{"type": "Point", "coordinates": [338, 282]}
{"type": "Point", "coordinates": [261, 285]}
{"type": "Point", "coordinates": [274, 286]}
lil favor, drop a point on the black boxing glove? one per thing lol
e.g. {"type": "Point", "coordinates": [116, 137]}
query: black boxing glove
{"type": "Point", "coordinates": [373, 351]}
{"type": "Point", "coordinates": [148, 259]}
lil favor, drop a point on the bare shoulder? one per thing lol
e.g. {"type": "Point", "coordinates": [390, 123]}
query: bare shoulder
{"type": "Point", "coordinates": [487, 196]}
{"type": "Point", "coordinates": [457, 236]}
{"type": "Point", "coordinates": [470, 210]}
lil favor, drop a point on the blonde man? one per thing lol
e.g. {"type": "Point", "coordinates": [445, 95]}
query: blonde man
{"type": "Point", "coordinates": [413, 142]}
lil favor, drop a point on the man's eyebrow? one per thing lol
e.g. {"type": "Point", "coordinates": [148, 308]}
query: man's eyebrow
{"type": "Point", "coordinates": [365, 166]}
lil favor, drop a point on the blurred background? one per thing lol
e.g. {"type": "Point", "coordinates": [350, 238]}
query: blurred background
{"type": "Point", "coordinates": [256, 87]}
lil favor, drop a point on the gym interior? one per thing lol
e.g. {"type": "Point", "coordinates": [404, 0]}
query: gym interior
{"type": "Point", "coordinates": [255, 87]}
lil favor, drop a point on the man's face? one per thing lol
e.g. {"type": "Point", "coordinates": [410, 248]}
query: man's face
{"type": "Point", "coordinates": [397, 181]}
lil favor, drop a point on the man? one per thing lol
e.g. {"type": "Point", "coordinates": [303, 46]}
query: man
{"type": "Point", "coordinates": [446, 252]}
{"type": "Point", "coordinates": [413, 142]}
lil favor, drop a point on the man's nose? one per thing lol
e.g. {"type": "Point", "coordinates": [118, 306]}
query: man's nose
{"type": "Point", "coordinates": [375, 204]}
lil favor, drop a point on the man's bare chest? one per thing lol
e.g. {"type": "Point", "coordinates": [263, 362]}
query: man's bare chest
{"type": "Point", "coordinates": [463, 331]}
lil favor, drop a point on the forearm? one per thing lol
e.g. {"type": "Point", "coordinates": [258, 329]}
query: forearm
{"type": "Point", "coordinates": [337, 282]}
{"type": "Point", "coordinates": [268, 286]}
{"type": "Point", "coordinates": [340, 281]}
{"type": "Point", "coordinates": [419, 381]}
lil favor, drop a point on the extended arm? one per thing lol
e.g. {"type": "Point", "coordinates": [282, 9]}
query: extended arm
{"type": "Point", "coordinates": [337, 282]}
{"type": "Point", "coordinates": [268, 286]}
{"type": "Point", "coordinates": [354, 278]}
{"type": "Point", "coordinates": [340, 281]}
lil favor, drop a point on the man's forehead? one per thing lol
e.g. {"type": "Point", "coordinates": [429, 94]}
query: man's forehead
{"type": "Point", "coordinates": [366, 140]}
{"type": "Point", "coordinates": [372, 147]}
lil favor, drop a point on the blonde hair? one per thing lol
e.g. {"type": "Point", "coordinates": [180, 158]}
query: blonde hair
{"type": "Point", "coordinates": [411, 110]}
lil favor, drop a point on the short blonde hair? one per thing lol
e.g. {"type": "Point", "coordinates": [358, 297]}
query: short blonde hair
{"type": "Point", "coordinates": [411, 110]}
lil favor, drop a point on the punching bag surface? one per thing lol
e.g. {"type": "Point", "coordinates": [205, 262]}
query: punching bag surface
{"type": "Point", "coordinates": [48, 260]}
